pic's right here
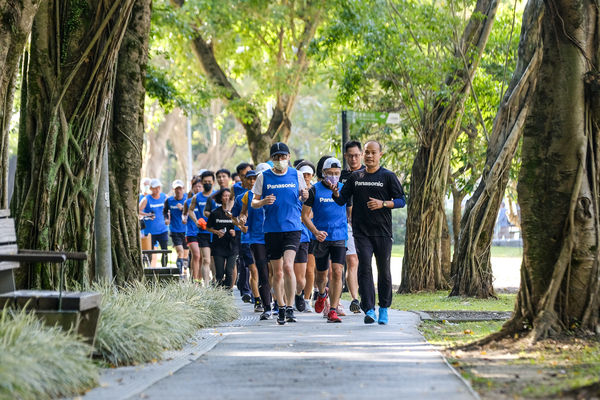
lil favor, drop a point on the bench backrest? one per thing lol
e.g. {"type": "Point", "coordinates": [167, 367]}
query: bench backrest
{"type": "Point", "coordinates": [8, 245]}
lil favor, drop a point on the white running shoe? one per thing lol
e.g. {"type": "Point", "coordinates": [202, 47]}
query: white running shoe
{"type": "Point", "coordinates": [340, 310]}
{"type": "Point", "coordinates": [308, 307]}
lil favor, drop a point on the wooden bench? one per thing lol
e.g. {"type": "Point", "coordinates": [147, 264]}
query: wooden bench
{"type": "Point", "coordinates": [159, 273]}
{"type": "Point", "coordinates": [70, 310]}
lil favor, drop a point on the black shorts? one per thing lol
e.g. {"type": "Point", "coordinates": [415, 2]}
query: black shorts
{"type": "Point", "coordinates": [178, 239]}
{"type": "Point", "coordinates": [278, 242]}
{"type": "Point", "coordinates": [246, 257]}
{"type": "Point", "coordinates": [324, 250]}
{"type": "Point", "coordinates": [311, 246]}
{"type": "Point", "coordinates": [162, 239]}
{"type": "Point", "coordinates": [203, 239]}
{"type": "Point", "coordinates": [302, 253]}
{"type": "Point", "coordinates": [190, 239]}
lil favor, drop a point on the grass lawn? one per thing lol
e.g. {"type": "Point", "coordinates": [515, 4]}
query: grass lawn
{"type": "Point", "coordinates": [497, 251]}
{"type": "Point", "coordinates": [438, 301]}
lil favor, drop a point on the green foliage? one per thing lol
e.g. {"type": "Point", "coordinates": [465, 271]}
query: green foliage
{"type": "Point", "coordinates": [439, 301]}
{"type": "Point", "coordinates": [140, 321]}
{"type": "Point", "coordinates": [38, 362]}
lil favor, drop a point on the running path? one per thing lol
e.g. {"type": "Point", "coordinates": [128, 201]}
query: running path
{"type": "Point", "coordinates": [314, 359]}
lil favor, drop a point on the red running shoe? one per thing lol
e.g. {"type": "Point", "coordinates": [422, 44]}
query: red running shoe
{"type": "Point", "coordinates": [333, 317]}
{"type": "Point", "coordinates": [320, 303]}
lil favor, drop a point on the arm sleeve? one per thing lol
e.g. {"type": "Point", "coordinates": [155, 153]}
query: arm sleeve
{"type": "Point", "coordinates": [301, 181]}
{"type": "Point", "coordinates": [396, 191]}
{"type": "Point", "coordinates": [311, 197]}
{"type": "Point", "coordinates": [257, 189]}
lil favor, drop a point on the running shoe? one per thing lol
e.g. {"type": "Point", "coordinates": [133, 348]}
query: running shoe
{"type": "Point", "coordinates": [340, 310]}
{"type": "Point", "coordinates": [383, 316]}
{"type": "Point", "coordinates": [299, 303]}
{"type": "Point", "coordinates": [246, 298]}
{"type": "Point", "coordinates": [333, 317]}
{"type": "Point", "coordinates": [320, 303]}
{"type": "Point", "coordinates": [314, 298]}
{"type": "Point", "coordinates": [307, 306]}
{"type": "Point", "coordinates": [289, 314]}
{"type": "Point", "coordinates": [275, 308]}
{"type": "Point", "coordinates": [281, 316]}
{"type": "Point", "coordinates": [258, 307]}
{"type": "Point", "coordinates": [370, 316]}
{"type": "Point", "coordinates": [355, 306]}
{"type": "Point", "coordinates": [326, 308]}
{"type": "Point", "coordinates": [265, 315]}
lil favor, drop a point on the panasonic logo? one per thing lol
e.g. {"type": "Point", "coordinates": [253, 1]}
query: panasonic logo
{"type": "Point", "coordinates": [325, 200]}
{"type": "Point", "coordinates": [281, 186]}
{"type": "Point", "coordinates": [357, 183]}
{"type": "Point", "coordinates": [156, 205]}
{"type": "Point", "coordinates": [223, 221]}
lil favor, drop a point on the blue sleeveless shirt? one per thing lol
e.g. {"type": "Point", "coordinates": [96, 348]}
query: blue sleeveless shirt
{"type": "Point", "coordinates": [157, 225]}
{"type": "Point", "coordinates": [176, 225]}
{"type": "Point", "coordinates": [283, 215]}
{"type": "Point", "coordinates": [328, 216]}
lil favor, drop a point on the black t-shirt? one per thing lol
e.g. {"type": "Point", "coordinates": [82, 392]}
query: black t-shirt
{"type": "Point", "coordinates": [346, 174]}
{"type": "Point", "coordinates": [360, 186]}
{"type": "Point", "coordinates": [226, 245]}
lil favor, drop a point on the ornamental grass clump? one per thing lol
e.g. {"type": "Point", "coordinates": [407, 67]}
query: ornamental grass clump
{"type": "Point", "coordinates": [41, 362]}
{"type": "Point", "coordinates": [140, 321]}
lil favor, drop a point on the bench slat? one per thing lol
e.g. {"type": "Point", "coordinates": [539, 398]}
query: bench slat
{"type": "Point", "coordinates": [161, 271]}
{"type": "Point", "coordinates": [48, 299]}
{"type": "Point", "coordinates": [7, 231]}
{"type": "Point", "coordinates": [46, 257]}
{"type": "Point", "coordinates": [70, 255]}
{"type": "Point", "coordinates": [8, 249]}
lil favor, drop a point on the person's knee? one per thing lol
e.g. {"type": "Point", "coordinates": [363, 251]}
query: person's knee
{"type": "Point", "coordinates": [337, 271]}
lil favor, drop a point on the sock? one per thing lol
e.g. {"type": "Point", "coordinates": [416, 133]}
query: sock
{"type": "Point", "coordinates": [322, 294]}
{"type": "Point", "coordinates": [331, 308]}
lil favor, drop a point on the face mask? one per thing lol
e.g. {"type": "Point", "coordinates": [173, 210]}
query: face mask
{"type": "Point", "coordinates": [280, 165]}
{"type": "Point", "coordinates": [207, 187]}
{"type": "Point", "coordinates": [146, 188]}
{"type": "Point", "coordinates": [332, 179]}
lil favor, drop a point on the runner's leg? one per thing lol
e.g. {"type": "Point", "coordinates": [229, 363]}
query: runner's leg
{"type": "Point", "coordinates": [366, 286]}
{"type": "Point", "coordinates": [219, 270]}
{"type": "Point", "coordinates": [205, 265]}
{"type": "Point", "coordinates": [383, 253]}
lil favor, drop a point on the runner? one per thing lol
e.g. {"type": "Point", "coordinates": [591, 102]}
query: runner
{"type": "Point", "coordinates": [224, 245]}
{"type": "Point", "coordinates": [204, 236]}
{"type": "Point", "coordinates": [374, 192]}
{"type": "Point", "coordinates": [243, 281]}
{"type": "Point", "coordinates": [300, 262]}
{"type": "Point", "coordinates": [152, 206]}
{"type": "Point", "coordinates": [172, 212]}
{"type": "Point", "coordinates": [353, 155]}
{"type": "Point", "coordinates": [191, 230]}
{"type": "Point", "coordinates": [329, 225]}
{"type": "Point", "coordinates": [278, 190]}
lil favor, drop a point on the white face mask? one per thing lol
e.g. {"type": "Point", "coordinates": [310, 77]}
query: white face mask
{"type": "Point", "coordinates": [280, 165]}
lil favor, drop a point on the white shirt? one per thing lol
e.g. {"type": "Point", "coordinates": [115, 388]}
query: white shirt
{"type": "Point", "coordinates": [258, 185]}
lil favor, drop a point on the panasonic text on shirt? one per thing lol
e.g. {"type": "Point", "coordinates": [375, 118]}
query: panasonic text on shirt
{"type": "Point", "coordinates": [223, 221]}
{"type": "Point", "coordinates": [157, 205]}
{"type": "Point", "coordinates": [325, 200]}
{"type": "Point", "coordinates": [361, 183]}
{"type": "Point", "coordinates": [281, 186]}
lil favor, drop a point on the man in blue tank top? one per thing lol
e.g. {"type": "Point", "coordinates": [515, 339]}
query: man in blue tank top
{"type": "Point", "coordinates": [204, 237]}
{"type": "Point", "coordinates": [174, 219]}
{"type": "Point", "coordinates": [152, 206]}
{"type": "Point", "coordinates": [278, 190]}
{"type": "Point", "coordinates": [329, 225]}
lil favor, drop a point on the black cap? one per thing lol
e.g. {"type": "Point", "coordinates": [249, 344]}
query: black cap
{"type": "Point", "coordinates": [251, 173]}
{"type": "Point", "coordinates": [279, 148]}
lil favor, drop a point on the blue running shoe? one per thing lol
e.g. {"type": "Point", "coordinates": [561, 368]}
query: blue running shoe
{"type": "Point", "coordinates": [370, 316]}
{"type": "Point", "coordinates": [383, 316]}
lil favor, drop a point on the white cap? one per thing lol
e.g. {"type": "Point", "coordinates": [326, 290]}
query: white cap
{"type": "Point", "coordinates": [200, 171]}
{"type": "Point", "coordinates": [262, 167]}
{"type": "Point", "coordinates": [177, 183]}
{"type": "Point", "coordinates": [332, 162]}
{"type": "Point", "coordinates": [146, 181]}
{"type": "Point", "coordinates": [307, 169]}
{"type": "Point", "coordinates": [155, 183]}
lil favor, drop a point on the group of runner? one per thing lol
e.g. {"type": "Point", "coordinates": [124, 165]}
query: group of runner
{"type": "Point", "coordinates": [284, 239]}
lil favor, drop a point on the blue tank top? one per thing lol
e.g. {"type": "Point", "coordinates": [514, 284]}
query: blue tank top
{"type": "Point", "coordinates": [190, 227]}
{"type": "Point", "coordinates": [256, 219]}
{"type": "Point", "coordinates": [328, 216]}
{"type": "Point", "coordinates": [176, 224]}
{"type": "Point", "coordinates": [201, 203]}
{"type": "Point", "coordinates": [157, 225]}
{"type": "Point", "coordinates": [283, 215]}
{"type": "Point", "coordinates": [305, 233]}
{"type": "Point", "coordinates": [236, 210]}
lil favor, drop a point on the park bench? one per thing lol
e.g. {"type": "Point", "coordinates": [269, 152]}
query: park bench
{"type": "Point", "coordinates": [158, 273]}
{"type": "Point", "coordinates": [70, 310]}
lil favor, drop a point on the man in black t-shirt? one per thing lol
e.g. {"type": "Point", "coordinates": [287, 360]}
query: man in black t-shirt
{"type": "Point", "coordinates": [374, 192]}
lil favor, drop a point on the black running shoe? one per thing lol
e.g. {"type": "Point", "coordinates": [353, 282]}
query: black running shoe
{"type": "Point", "coordinates": [258, 307]}
{"type": "Point", "coordinates": [246, 298]}
{"type": "Point", "coordinates": [355, 306]}
{"type": "Point", "coordinates": [281, 316]}
{"type": "Point", "coordinates": [289, 314]}
{"type": "Point", "coordinates": [299, 303]}
{"type": "Point", "coordinates": [315, 295]}
{"type": "Point", "coordinates": [265, 315]}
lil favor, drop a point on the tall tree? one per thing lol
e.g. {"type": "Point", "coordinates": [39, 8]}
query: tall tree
{"type": "Point", "coordinates": [559, 181]}
{"type": "Point", "coordinates": [125, 141]}
{"type": "Point", "coordinates": [273, 38]}
{"type": "Point", "coordinates": [15, 26]}
{"type": "Point", "coordinates": [69, 89]}
{"type": "Point", "coordinates": [472, 269]}
{"type": "Point", "coordinates": [422, 262]}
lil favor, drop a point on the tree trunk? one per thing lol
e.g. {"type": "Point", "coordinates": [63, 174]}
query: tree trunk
{"type": "Point", "coordinates": [446, 245]}
{"type": "Point", "coordinates": [457, 198]}
{"type": "Point", "coordinates": [15, 26]}
{"type": "Point", "coordinates": [70, 80]}
{"type": "Point", "coordinates": [559, 181]}
{"type": "Point", "coordinates": [421, 265]}
{"type": "Point", "coordinates": [472, 263]}
{"type": "Point", "coordinates": [125, 141]}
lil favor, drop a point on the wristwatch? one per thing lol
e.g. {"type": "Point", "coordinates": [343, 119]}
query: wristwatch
{"type": "Point", "coordinates": [383, 204]}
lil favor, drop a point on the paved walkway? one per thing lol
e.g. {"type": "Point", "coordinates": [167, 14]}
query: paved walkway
{"type": "Point", "coordinates": [309, 359]}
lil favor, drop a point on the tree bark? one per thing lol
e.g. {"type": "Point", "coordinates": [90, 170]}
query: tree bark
{"type": "Point", "coordinates": [15, 26]}
{"type": "Point", "coordinates": [559, 181]}
{"type": "Point", "coordinates": [472, 269]}
{"type": "Point", "coordinates": [125, 141]}
{"type": "Point", "coordinates": [421, 265]}
{"type": "Point", "coordinates": [70, 80]}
